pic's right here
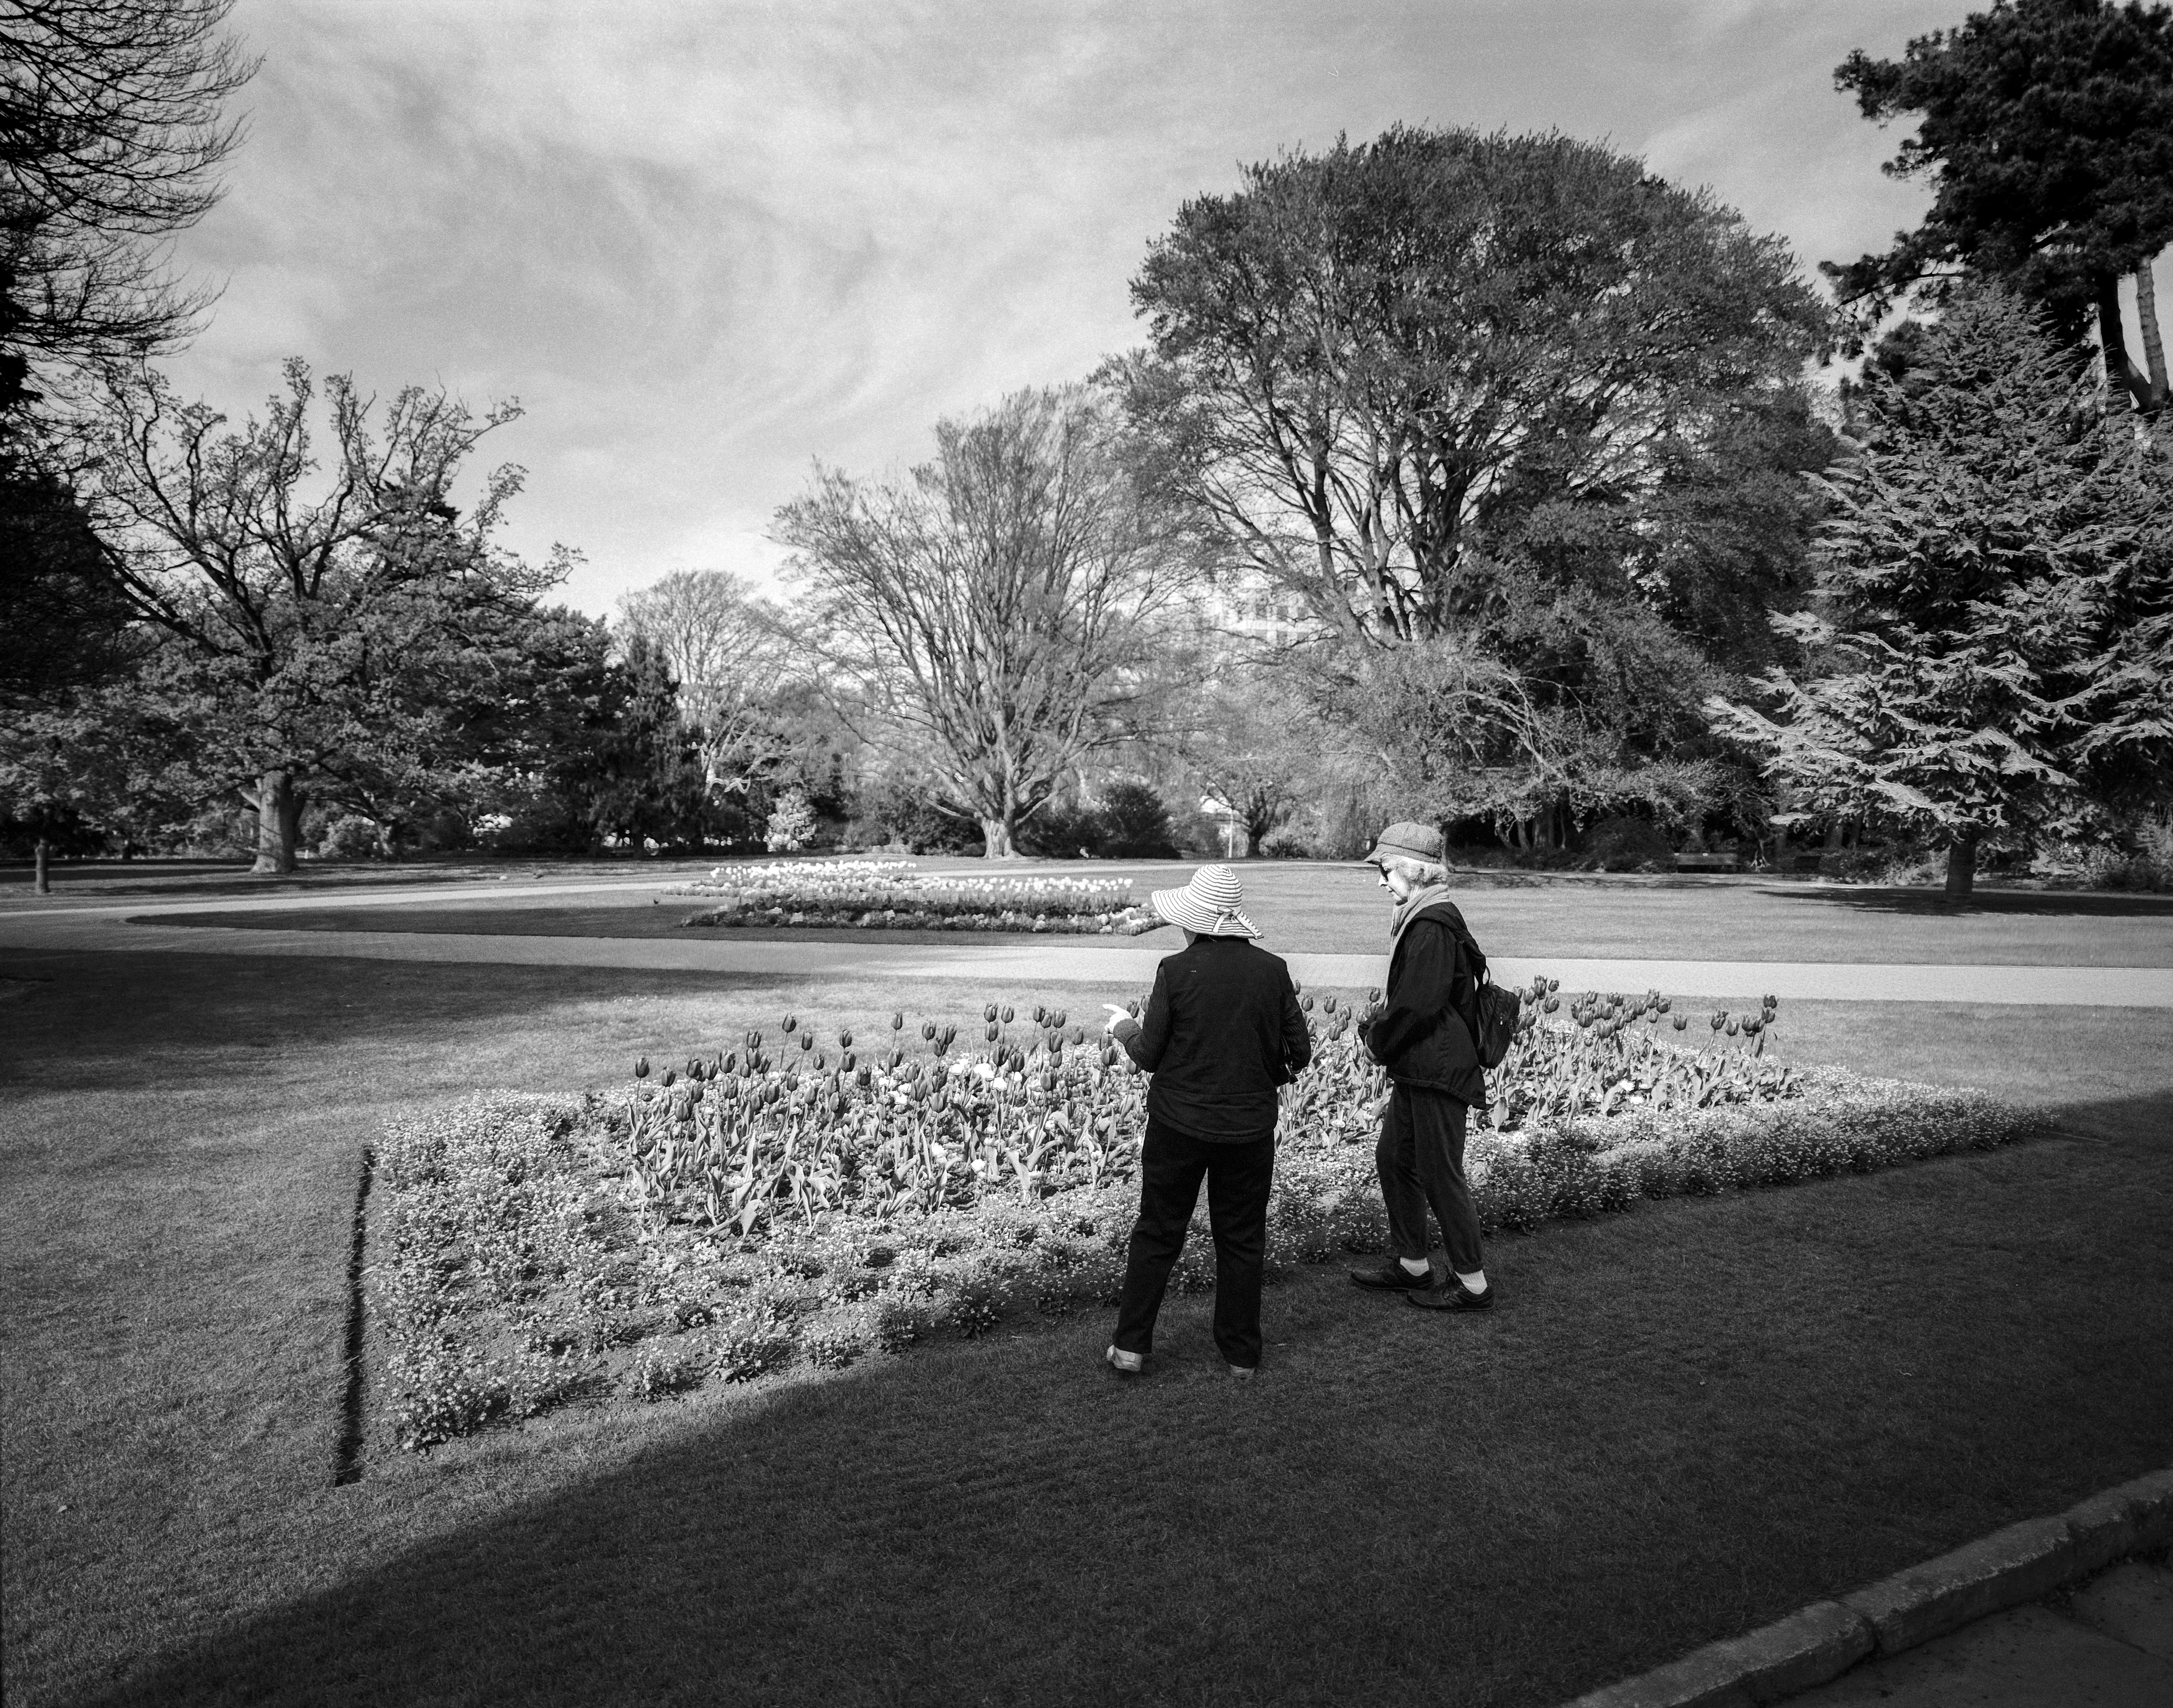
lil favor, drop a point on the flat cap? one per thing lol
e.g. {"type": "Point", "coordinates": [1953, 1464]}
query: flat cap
{"type": "Point", "coordinates": [1416, 841]}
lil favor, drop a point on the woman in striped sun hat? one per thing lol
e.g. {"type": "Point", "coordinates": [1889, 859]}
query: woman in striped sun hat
{"type": "Point", "coordinates": [1222, 1031]}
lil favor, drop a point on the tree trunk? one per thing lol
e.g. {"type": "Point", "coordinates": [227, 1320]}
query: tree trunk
{"type": "Point", "coordinates": [45, 877]}
{"type": "Point", "coordinates": [1961, 867]}
{"type": "Point", "coordinates": [2121, 375]}
{"type": "Point", "coordinates": [997, 835]}
{"type": "Point", "coordinates": [2154, 346]}
{"type": "Point", "coordinates": [1253, 836]}
{"type": "Point", "coordinates": [278, 822]}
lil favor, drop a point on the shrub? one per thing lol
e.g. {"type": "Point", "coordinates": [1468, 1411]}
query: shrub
{"type": "Point", "coordinates": [1288, 844]}
{"type": "Point", "coordinates": [791, 825]}
{"type": "Point", "coordinates": [1137, 823]}
{"type": "Point", "coordinates": [1065, 833]}
{"type": "Point", "coordinates": [1627, 844]}
{"type": "Point", "coordinates": [353, 838]}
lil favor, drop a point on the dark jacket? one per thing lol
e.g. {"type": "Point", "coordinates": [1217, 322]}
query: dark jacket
{"type": "Point", "coordinates": [1421, 1035]}
{"type": "Point", "coordinates": [1222, 1031]}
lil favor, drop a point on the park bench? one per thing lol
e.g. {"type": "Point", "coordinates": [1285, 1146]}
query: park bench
{"type": "Point", "coordinates": [1707, 863]}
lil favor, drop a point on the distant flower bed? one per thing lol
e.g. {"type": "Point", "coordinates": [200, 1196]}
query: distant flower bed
{"type": "Point", "coordinates": [890, 895]}
{"type": "Point", "coordinates": [822, 1198]}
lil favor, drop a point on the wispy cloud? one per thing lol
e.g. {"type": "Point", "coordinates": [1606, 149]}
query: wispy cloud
{"type": "Point", "coordinates": [707, 245]}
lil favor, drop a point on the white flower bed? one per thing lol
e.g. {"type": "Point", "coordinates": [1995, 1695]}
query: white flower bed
{"type": "Point", "coordinates": [891, 895]}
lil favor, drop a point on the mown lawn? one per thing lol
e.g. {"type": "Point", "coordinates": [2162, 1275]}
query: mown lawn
{"type": "Point", "coordinates": [1681, 1422]}
{"type": "Point", "coordinates": [1306, 907]}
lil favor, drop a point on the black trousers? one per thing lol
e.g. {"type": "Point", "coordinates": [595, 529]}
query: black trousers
{"type": "Point", "coordinates": [1172, 1165]}
{"type": "Point", "coordinates": [1421, 1159]}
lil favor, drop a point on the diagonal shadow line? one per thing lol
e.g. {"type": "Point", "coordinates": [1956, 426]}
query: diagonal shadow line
{"type": "Point", "coordinates": [346, 1455]}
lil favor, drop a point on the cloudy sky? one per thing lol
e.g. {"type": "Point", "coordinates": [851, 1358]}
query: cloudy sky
{"type": "Point", "coordinates": [706, 244]}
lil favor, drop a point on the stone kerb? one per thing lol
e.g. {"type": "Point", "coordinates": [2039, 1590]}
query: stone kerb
{"type": "Point", "coordinates": [1821, 1642]}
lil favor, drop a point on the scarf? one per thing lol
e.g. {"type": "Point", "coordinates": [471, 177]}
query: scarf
{"type": "Point", "coordinates": [1418, 901]}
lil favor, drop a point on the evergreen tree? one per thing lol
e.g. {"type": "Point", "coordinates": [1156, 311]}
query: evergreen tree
{"type": "Point", "coordinates": [1992, 580]}
{"type": "Point", "coordinates": [2046, 129]}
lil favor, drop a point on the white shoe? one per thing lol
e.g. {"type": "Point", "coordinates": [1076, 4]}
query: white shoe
{"type": "Point", "coordinates": [1127, 1363]}
{"type": "Point", "coordinates": [1242, 1372]}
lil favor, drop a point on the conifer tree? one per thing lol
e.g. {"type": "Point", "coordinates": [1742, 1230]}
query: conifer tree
{"type": "Point", "coordinates": [1984, 655]}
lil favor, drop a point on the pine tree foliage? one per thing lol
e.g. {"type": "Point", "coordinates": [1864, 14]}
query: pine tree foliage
{"type": "Point", "coordinates": [1988, 641]}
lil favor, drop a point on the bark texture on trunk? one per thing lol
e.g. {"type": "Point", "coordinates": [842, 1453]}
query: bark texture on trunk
{"type": "Point", "coordinates": [45, 875]}
{"type": "Point", "coordinates": [278, 822]}
{"type": "Point", "coordinates": [2154, 345]}
{"type": "Point", "coordinates": [997, 836]}
{"type": "Point", "coordinates": [1961, 869]}
{"type": "Point", "coordinates": [2121, 374]}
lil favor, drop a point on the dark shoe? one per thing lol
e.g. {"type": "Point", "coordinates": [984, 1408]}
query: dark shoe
{"type": "Point", "coordinates": [1392, 1277]}
{"type": "Point", "coordinates": [1451, 1296]}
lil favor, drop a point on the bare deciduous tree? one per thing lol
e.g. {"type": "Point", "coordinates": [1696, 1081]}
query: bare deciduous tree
{"type": "Point", "coordinates": [724, 650]}
{"type": "Point", "coordinates": [997, 609]}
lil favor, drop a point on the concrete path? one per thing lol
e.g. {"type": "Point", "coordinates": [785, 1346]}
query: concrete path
{"type": "Point", "coordinates": [105, 929]}
{"type": "Point", "coordinates": [2110, 1647]}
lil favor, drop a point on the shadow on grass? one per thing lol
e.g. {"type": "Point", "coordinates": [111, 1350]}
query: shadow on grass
{"type": "Point", "coordinates": [1681, 1422]}
{"type": "Point", "coordinates": [2054, 904]}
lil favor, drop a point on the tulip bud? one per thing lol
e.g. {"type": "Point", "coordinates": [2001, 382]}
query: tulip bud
{"type": "Point", "coordinates": [1007, 1014]}
{"type": "Point", "coordinates": [1040, 1014]}
{"type": "Point", "coordinates": [806, 1041]}
{"type": "Point", "coordinates": [669, 1077]}
{"type": "Point", "coordinates": [1306, 1003]}
{"type": "Point", "coordinates": [1733, 1028]}
{"type": "Point", "coordinates": [791, 1022]}
{"type": "Point", "coordinates": [731, 1064]}
{"type": "Point", "coordinates": [641, 1067]}
{"type": "Point", "coordinates": [1063, 1018]}
{"type": "Point", "coordinates": [989, 1013]}
{"type": "Point", "coordinates": [845, 1062]}
{"type": "Point", "coordinates": [1719, 1018]}
{"type": "Point", "coordinates": [928, 1030]}
{"type": "Point", "coordinates": [1681, 1021]}
{"type": "Point", "coordinates": [844, 1040]}
{"type": "Point", "coordinates": [1553, 984]}
{"type": "Point", "coordinates": [991, 1031]}
{"type": "Point", "coordinates": [898, 1022]}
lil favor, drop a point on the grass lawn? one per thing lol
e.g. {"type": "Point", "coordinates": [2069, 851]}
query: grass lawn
{"type": "Point", "coordinates": [1306, 907]}
{"type": "Point", "coordinates": [1681, 1422]}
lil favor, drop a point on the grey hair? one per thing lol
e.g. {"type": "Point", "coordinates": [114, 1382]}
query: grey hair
{"type": "Point", "coordinates": [1417, 870]}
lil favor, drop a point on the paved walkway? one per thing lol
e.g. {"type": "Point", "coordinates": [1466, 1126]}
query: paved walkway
{"type": "Point", "coordinates": [105, 929]}
{"type": "Point", "coordinates": [2109, 1646]}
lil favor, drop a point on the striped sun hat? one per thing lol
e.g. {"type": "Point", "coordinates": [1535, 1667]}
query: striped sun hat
{"type": "Point", "coordinates": [1208, 905]}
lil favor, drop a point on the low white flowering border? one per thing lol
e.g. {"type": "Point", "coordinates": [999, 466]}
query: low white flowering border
{"type": "Point", "coordinates": [879, 895]}
{"type": "Point", "coordinates": [516, 1269]}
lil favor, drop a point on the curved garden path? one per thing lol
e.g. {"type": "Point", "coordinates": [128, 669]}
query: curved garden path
{"type": "Point", "coordinates": [139, 925]}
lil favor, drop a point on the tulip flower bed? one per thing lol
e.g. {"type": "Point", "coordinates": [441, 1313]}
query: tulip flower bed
{"type": "Point", "coordinates": [822, 1197]}
{"type": "Point", "coordinates": [890, 895]}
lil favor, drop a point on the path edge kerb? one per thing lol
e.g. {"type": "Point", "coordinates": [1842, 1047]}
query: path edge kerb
{"type": "Point", "coordinates": [1819, 1642]}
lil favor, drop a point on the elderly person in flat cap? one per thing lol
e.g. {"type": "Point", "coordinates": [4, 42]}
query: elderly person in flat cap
{"type": "Point", "coordinates": [1222, 1031]}
{"type": "Point", "coordinates": [1420, 1033]}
